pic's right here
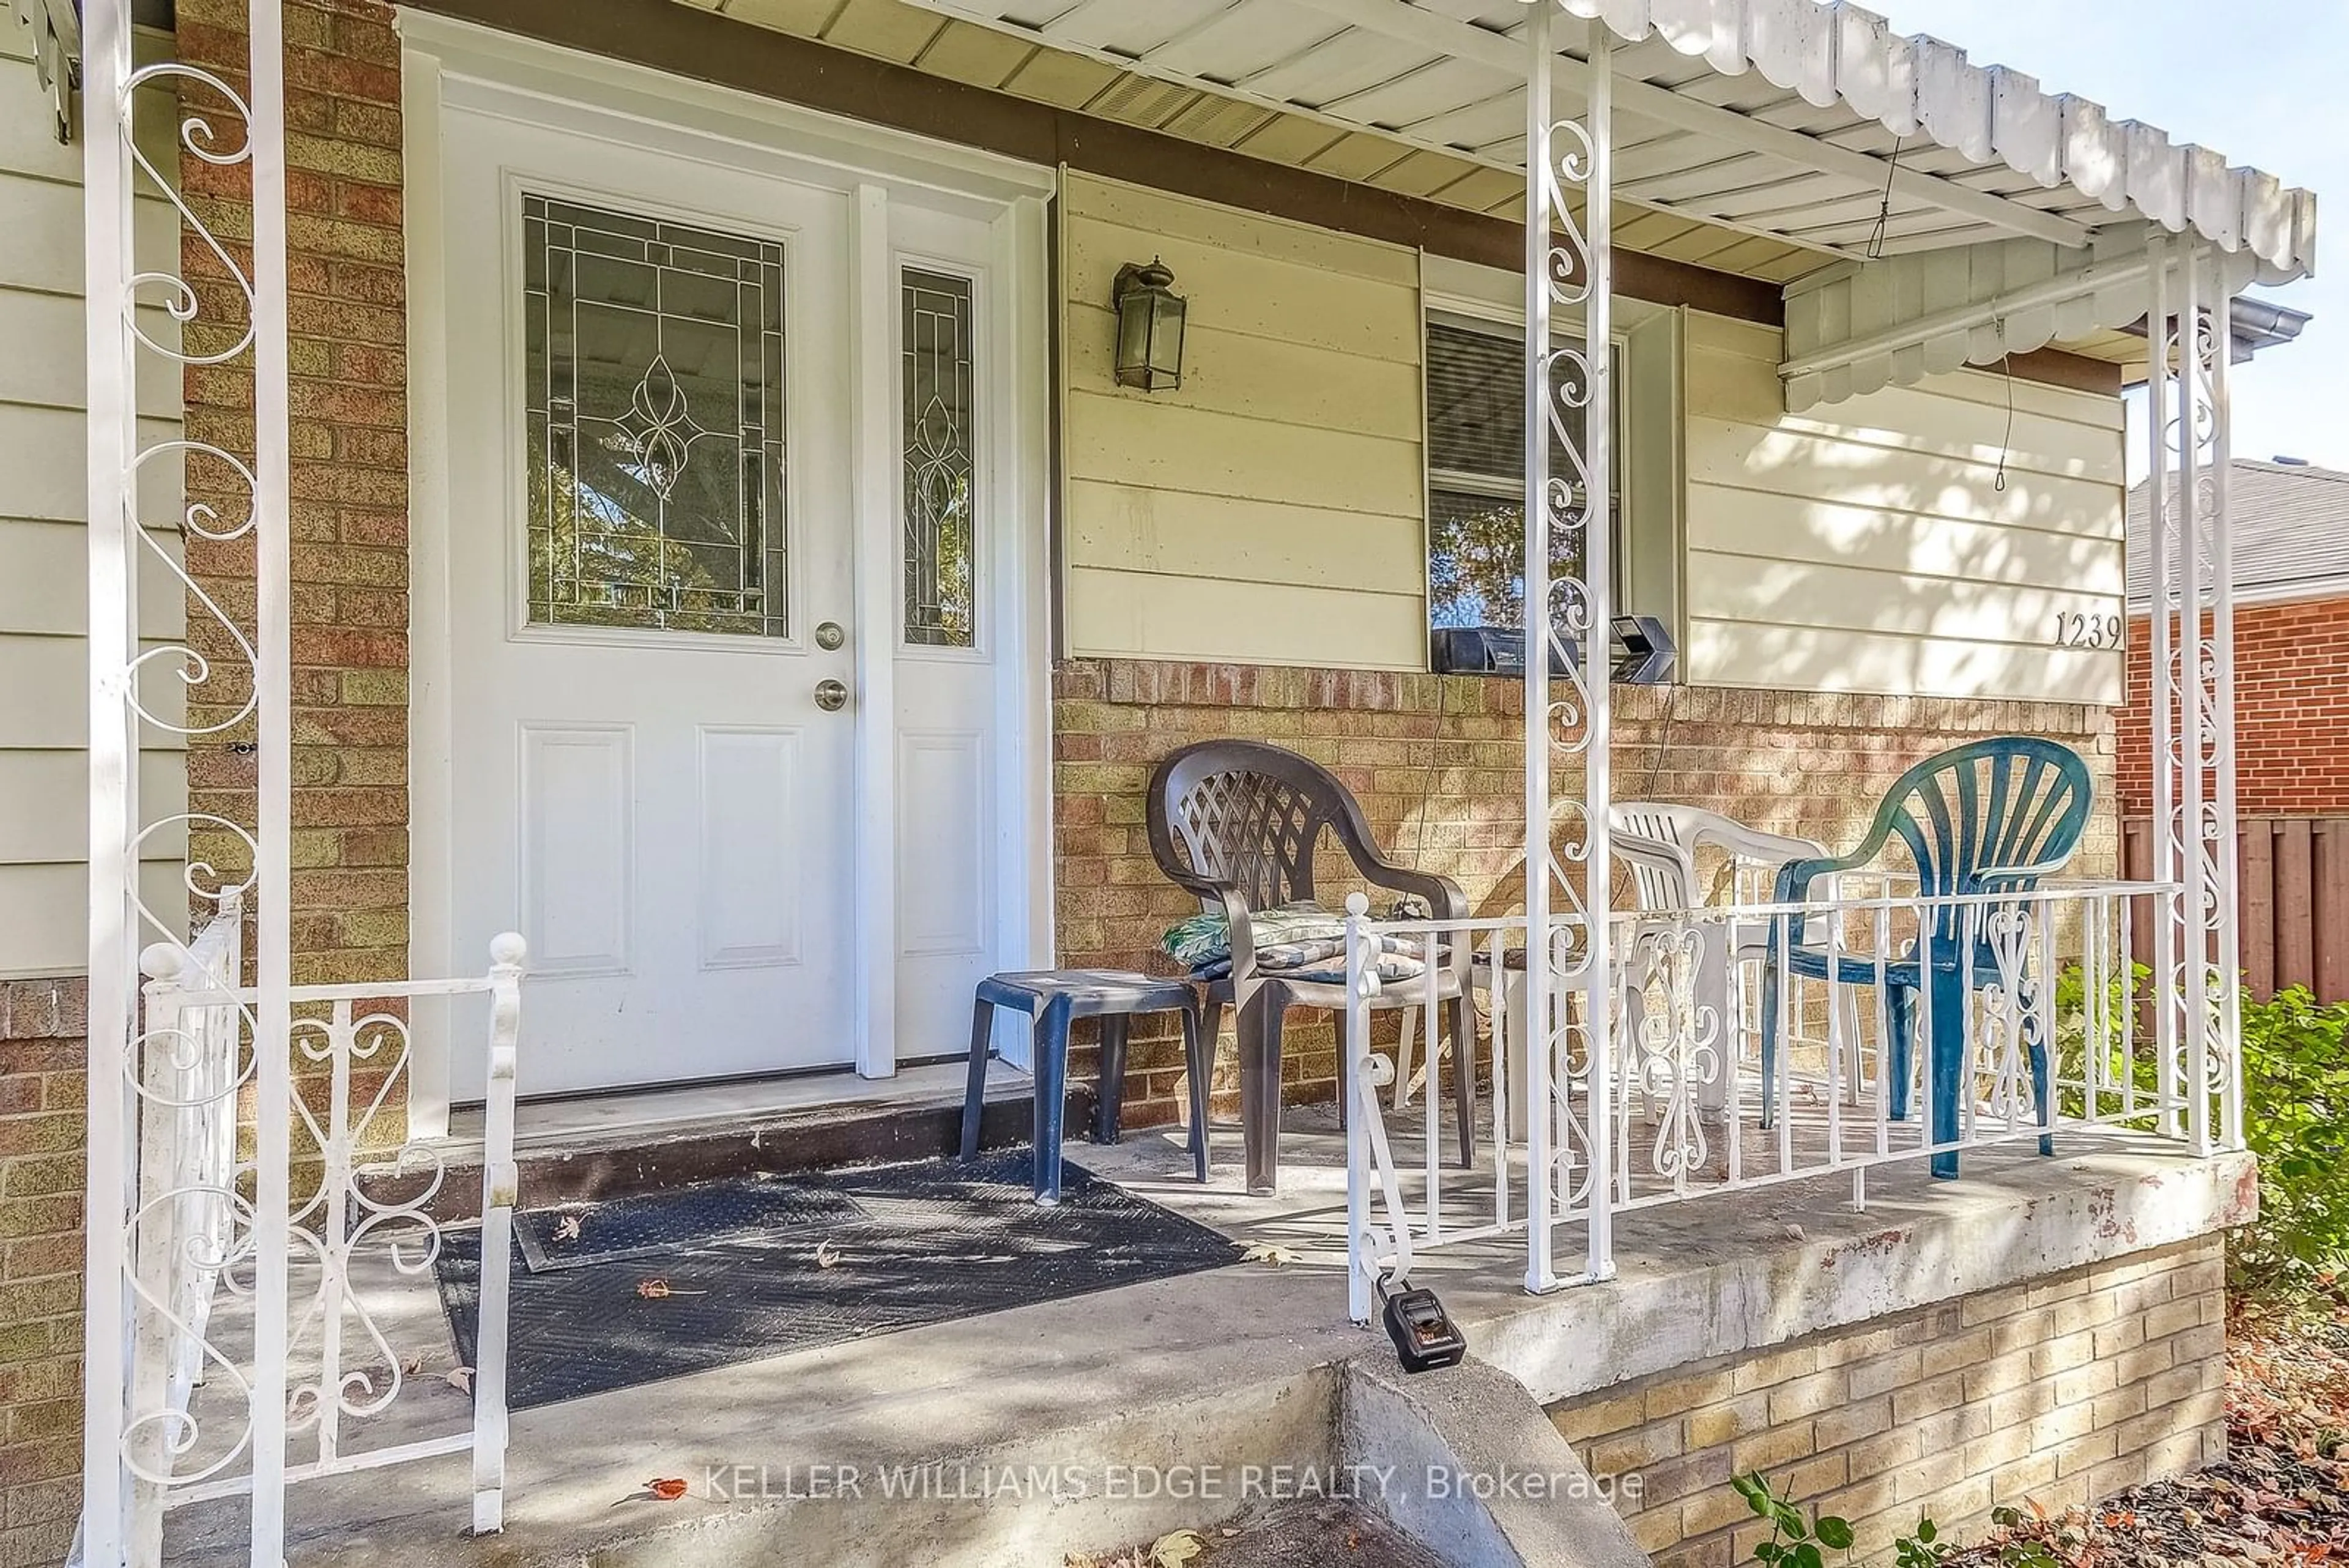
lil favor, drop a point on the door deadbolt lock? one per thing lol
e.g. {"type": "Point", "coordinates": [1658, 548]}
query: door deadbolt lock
{"type": "Point", "coordinates": [829, 636]}
{"type": "Point", "coordinates": [830, 696]}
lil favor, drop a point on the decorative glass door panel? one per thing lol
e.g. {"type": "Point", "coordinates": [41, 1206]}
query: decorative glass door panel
{"type": "Point", "coordinates": [940, 490]}
{"type": "Point", "coordinates": [653, 356]}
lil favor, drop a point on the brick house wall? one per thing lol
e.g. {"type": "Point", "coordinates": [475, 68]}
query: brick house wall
{"type": "Point", "coordinates": [43, 1135]}
{"type": "Point", "coordinates": [2061, 1391]}
{"type": "Point", "coordinates": [1437, 762]}
{"type": "Point", "coordinates": [2291, 711]}
{"type": "Point", "coordinates": [349, 331]}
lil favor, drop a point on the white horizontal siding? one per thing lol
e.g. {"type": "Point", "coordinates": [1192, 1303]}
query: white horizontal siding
{"type": "Point", "coordinates": [48, 806]}
{"type": "Point", "coordinates": [1271, 509]}
{"type": "Point", "coordinates": [1873, 549]}
{"type": "Point", "coordinates": [42, 929]}
{"type": "Point", "coordinates": [44, 598]}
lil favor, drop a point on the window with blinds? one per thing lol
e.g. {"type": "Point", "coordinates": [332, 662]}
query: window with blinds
{"type": "Point", "coordinates": [1475, 500]}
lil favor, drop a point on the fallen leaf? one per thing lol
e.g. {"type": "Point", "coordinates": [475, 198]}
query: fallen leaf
{"type": "Point", "coordinates": [412, 1365]}
{"type": "Point", "coordinates": [568, 1228]}
{"type": "Point", "coordinates": [827, 1256]}
{"type": "Point", "coordinates": [1270, 1255]}
{"type": "Point", "coordinates": [1796, 1231]}
{"type": "Point", "coordinates": [667, 1489]}
{"type": "Point", "coordinates": [1176, 1549]}
{"type": "Point", "coordinates": [461, 1378]}
{"type": "Point", "coordinates": [656, 1289]}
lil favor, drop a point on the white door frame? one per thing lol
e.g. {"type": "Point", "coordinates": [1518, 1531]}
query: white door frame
{"type": "Point", "coordinates": [446, 62]}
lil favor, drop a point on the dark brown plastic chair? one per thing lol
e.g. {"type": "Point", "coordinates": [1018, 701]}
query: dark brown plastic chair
{"type": "Point", "coordinates": [1236, 823]}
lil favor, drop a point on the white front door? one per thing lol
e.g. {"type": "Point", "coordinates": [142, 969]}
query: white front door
{"type": "Point", "coordinates": [725, 707]}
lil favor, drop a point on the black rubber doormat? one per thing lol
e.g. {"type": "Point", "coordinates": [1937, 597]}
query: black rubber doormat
{"type": "Point", "coordinates": [580, 1236]}
{"type": "Point", "coordinates": [839, 1255]}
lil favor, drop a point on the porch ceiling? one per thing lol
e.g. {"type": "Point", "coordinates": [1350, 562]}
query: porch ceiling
{"type": "Point", "coordinates": [1782, 121]}
{"type": "Point", "coordinates": [1024, 63]}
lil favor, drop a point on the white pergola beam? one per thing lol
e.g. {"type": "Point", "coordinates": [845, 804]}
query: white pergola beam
{"type": "Point", "coordinates": [1974, 313]}
{"type": "Point", "coordinates": [1408, 23]}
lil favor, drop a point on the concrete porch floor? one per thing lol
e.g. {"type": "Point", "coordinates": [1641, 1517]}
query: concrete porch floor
{"type": "Point", "coordinates": [1230, 1368]}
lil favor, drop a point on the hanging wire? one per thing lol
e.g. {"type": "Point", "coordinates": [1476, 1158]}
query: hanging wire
{"type": "Point", "coordinates": [2006, 442]}
{"type": "Point", "coordinates": [1884, 213]}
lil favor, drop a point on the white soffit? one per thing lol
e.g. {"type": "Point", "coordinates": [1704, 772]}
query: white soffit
{"type": "Point", "coordinates": [1994, 116]}
{"type": "Point", "coordinates": [1788, 119]}
{"type": "Point", "coordinates": [1858, 327]}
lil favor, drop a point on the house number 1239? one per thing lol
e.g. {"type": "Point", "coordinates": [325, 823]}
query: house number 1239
{"type": "Point", "coordinates": [2087, 630]}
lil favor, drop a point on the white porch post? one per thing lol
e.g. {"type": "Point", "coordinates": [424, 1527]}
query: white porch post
{"type": "Point", "coordinates": [113, 804]}
{"type": "Point", "coordinates": [1540, 1272]}
{"type": "Point", "coordinates": [141, 1071]}
{"type": "Point", "coordinates": [1597, 627]}
{"type": "Point", "coordinates": [2226, 931]}
{"type": "Point", "coordinates": [2192, 715]}
{"type": "Point", "coordinates": [274, 731]}
{"type": "Point", "coordinates": [1567, 270]}
{"type": "Point", "coordinates": [2162, 672]}
{"type": "Point", "coordinates": [2198, 978]}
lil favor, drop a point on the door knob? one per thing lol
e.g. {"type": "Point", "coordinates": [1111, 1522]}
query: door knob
{"type": "Point", "coordinates": [830, 696]}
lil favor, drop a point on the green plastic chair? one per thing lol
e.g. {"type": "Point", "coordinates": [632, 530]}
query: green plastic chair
{"type": "Point", "coordinates": [1994, 816]}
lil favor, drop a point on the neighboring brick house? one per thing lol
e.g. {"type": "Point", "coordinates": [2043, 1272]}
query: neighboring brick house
{"type": "Point", "coordinates": [2292, 643]}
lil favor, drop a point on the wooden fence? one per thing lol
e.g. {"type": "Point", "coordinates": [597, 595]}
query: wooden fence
{"type": "Point", "coordinates": [2294, 900]}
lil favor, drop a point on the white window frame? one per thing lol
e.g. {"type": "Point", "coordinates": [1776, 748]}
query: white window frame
{"type": "Point", "coordinates": [1648, 347]}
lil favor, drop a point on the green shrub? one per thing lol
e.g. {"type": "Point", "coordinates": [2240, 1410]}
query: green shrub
{"type": "Point", "coordinates": [2295, 1119]}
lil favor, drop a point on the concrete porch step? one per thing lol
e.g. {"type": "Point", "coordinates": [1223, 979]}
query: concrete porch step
{"type": "Point", "coordinates": [591, 1149]}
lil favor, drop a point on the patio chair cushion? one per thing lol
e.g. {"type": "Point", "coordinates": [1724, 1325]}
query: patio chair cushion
{"type": "Point", "coordinates": [1295, 942]}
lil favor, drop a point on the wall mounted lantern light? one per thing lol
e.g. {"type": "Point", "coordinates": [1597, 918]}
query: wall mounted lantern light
{"type": "Point", "coordinates": [1149, 325]}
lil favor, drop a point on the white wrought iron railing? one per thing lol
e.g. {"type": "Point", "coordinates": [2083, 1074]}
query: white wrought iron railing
{"type": "Point", "coordinates": [193, 1234]}
{"type": "Point", "coordinates": [1683, 1108]}
{"type": "Point", "coordinates": [185, 1155]}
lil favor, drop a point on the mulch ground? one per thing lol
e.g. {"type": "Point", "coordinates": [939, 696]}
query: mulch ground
{"type": "Point", "coordinates": [1325, 1533]}
{"type": "Point", "coordinates": [2281, 1500]}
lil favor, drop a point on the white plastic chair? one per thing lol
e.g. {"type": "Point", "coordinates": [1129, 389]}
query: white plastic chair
{"type": "Point", "coordinates": [1659, 842]}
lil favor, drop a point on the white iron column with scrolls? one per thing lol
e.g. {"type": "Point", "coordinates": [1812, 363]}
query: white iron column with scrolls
{"type": "Point", "coordinates": [1568, 397]}
{"type": "Point", "coordinates": [154, 1078]}
{"type": "Point", "coordinates": [2198, 978]}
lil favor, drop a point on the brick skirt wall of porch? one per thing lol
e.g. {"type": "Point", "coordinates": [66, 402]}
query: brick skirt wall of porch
{"type": "Point", "coordinates": [2064, 1390]}
{"type": "Point", "coordinates": [1437, 762]}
